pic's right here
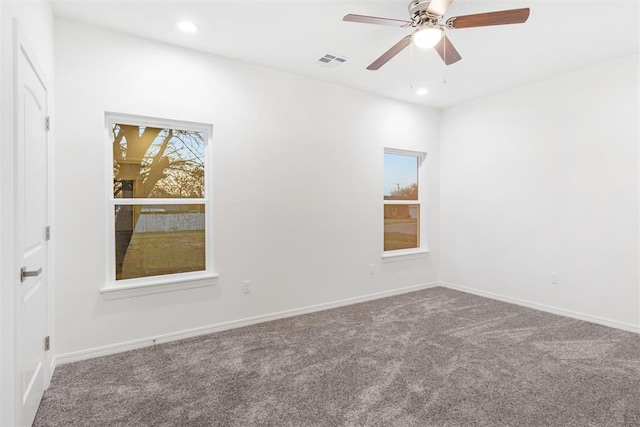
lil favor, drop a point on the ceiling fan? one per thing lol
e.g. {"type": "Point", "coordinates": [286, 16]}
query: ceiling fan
{"type": "Point", "coordinates": [426, 17]}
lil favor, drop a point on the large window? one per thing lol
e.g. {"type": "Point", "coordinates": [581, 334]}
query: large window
{"type": "Point", "coordinates": [159, 193]}
{"type": "Point", "coordinates": [403, 202]}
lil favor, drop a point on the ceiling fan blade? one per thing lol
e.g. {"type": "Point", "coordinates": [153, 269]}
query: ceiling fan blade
{"type": "Point", "coordinates": [514, 16]}
{"type": "Point", "coordinates": [438, 7]}
{"type": "Point", "coordinates": [447, 52]}
{"type": "Point", "coordinates": [395, 49]}
{"type": "Point", "coordinates": [375, 20]}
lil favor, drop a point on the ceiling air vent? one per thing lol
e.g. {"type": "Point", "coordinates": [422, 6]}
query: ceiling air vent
{"type": "Point", "coordinates": [331, 61]}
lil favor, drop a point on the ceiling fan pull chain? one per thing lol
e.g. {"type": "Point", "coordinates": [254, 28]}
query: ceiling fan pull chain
{"type": "Point", "coordinates": [411, 69]}
{"type": "Point", "coordinates": [444, 59]}
{"type": "Point", "coordinates": [444, 78]}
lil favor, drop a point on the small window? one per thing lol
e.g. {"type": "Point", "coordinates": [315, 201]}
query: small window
{"type": "Point", "coordinates": [159, 188]}
{"type": "Point", "coordinates": [402, 201]}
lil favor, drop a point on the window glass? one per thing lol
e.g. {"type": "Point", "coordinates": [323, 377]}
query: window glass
{"type": "Point", "coordinates": [152, 162]}
{"type": "Point", "coordinates": [400, 177]}
{"type": "Point", "coordinates": [402, 204]}
{"type": "Point", "coordinates": [155, 240]}
{"type": "Point", "coordinates": [159, 198]}
{"type": "Point", "coordinates": [401, 227]}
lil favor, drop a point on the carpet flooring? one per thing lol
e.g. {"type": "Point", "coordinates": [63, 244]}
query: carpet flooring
{"type": "Point", "coordinates": [436, 357]}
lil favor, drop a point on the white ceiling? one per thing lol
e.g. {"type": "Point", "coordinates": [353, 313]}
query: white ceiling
{"type": "Point", "coordinates": [559, 36]}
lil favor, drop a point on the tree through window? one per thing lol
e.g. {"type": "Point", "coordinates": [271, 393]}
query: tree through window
{"type": "Point", "coordinates": [159, 201]}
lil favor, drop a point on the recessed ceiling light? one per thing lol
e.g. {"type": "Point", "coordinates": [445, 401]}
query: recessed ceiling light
{"type": "Point", "coordinates": [188, 26]}
{"type": "Point", "coordinates": [422, 91]}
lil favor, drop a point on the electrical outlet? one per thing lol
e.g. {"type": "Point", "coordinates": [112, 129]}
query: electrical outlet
{"type": "Point", "coordinates": [246, 286]}
{"type": "Point", "coordinates": [555, 280]}
{"type": "Point", "coordinates": [372, 269]}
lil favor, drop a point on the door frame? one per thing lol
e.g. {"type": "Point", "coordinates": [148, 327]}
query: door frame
{"type": "Point", "coordinates": [20, 46]}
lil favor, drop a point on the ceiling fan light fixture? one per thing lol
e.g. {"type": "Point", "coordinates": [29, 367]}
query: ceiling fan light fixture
{"type": "Point", "coordinates": [427, 37]}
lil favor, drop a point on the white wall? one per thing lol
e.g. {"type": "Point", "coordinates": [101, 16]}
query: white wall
{"type": "Point", "coordinates": [544, 179]}
{"type": "Point", "coordinates": [36, 22]}
{"type": "Point", "coordinates": [298, 185]}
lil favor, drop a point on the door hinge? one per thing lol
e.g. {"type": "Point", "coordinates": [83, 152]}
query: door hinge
{"type": "Point", "coordinates": [47, 343]}
{"type": "Point", "coordinates": [47, 123]}
{"type": "Point", "coordinates": [47, 232]}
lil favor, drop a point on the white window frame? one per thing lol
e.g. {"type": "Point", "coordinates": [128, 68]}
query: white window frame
{"type": "Point", "coordinates": [422, 249]}
{"type": "Point", "coordinates": [171, 282]}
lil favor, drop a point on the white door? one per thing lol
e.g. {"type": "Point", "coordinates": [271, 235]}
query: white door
{"type": "Point", "coordinates": [31, 239]}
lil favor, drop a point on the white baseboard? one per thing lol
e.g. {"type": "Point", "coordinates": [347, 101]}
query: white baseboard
{"type": "Point", "coordinates": [61, 359]}
{"type": "Point", "coordinates": [549, 309]}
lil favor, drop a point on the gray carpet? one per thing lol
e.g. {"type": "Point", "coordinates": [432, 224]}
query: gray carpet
{"type": "Point", "coordinates": [436, 357]}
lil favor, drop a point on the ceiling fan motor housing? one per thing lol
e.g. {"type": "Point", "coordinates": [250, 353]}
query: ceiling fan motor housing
{"type": "Point", "coordinates": [419, 14]}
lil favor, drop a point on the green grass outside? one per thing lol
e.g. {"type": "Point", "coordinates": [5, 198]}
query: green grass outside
{"type": "Point", "coordinates": [394, 241]}
{"type": "Point", "coordinates": [159, 253]}
{"type": "Point", "coordinates": [400, 221]}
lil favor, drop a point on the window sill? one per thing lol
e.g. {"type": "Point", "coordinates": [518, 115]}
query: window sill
{"type": "Point", "coordinates": [139, 287]}
{"type": "Point", "coordinates": [405, 255]}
